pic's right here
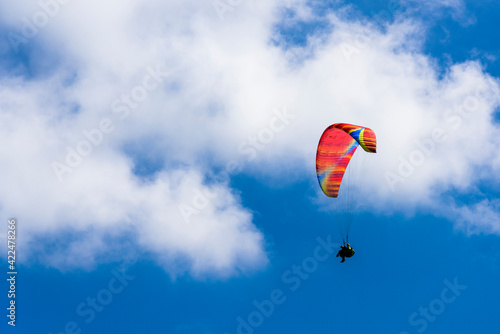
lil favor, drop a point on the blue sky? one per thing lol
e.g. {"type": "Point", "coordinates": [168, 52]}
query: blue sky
{"type": "Point", "coordinates": [160, 166]}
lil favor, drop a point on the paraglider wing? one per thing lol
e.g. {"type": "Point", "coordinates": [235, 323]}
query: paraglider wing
{"type": "Point", "coordinates": [335, 149]}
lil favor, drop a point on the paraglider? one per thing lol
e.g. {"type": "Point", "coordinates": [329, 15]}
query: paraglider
{"type": "Point", "coordinates": [345, 251]}
{"type": "Point", "coordinates": [335, 150]}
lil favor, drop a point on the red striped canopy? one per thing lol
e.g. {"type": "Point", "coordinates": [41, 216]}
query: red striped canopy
{"type": "Point", "coordinates": [335, 149]}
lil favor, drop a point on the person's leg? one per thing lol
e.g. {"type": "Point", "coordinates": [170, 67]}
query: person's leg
{"type": "Point", "coordinates": [343, 259]}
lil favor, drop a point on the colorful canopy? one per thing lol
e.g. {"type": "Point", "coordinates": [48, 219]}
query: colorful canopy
{"type": "Point", "coordinates": [335, 149]}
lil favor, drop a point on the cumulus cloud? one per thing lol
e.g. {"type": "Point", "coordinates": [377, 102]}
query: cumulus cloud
{"type": "Point", "coordinates": [173, 81]}
{"type": "Point", "coordinates": [95, 196]}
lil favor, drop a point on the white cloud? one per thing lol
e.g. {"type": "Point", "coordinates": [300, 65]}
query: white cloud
{"type": "Point", "coordinates": [480, 218]}
{"type": "Point", "coordinates": [457, 9]}
{"type": "Point", "coordinates": [101, 198]}
{"type": "Point", "coordinates": [225, 81]}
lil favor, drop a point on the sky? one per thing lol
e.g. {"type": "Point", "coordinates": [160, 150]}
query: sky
{"type": "Point", "coordinates": [159, 163]}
